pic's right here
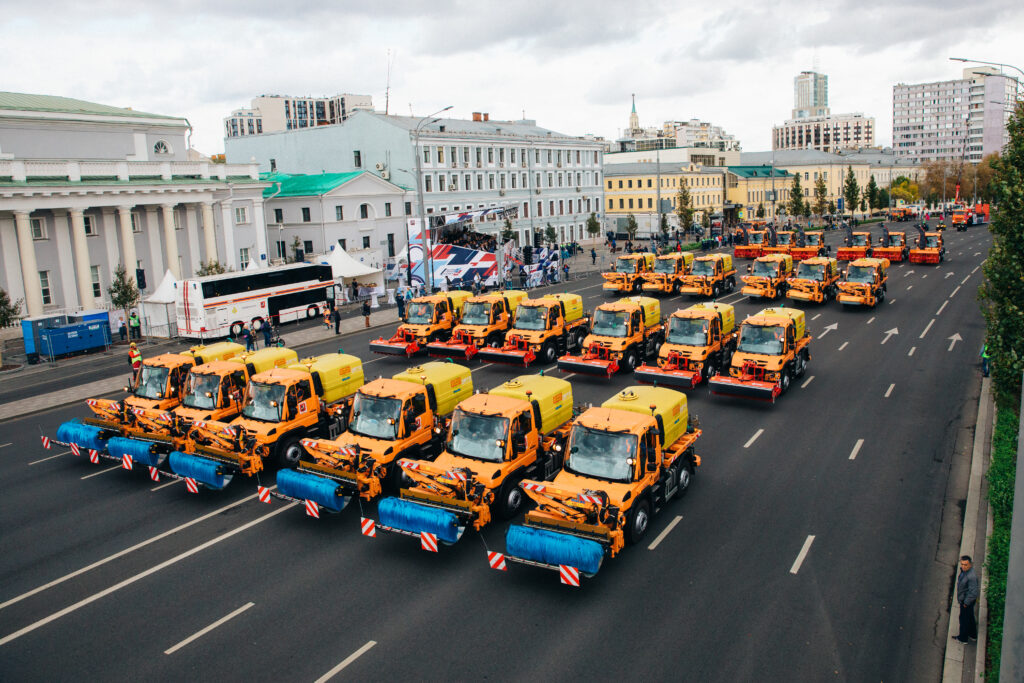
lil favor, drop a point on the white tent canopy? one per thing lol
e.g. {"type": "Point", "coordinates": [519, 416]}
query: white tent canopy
{"type": "Point", "coordinates": [164, 293]}
{"type": "Point", "coordinates": [157, 309]}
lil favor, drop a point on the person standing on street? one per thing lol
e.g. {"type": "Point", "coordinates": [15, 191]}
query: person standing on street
{"type": "Point", "coordinates": [249, 334]}
{"type": "Point", "coordinates": [122, 329]}
{"type": "Point", "coordinates": [265, 326]}
{"type": "Point", "coordinates": [400, 300]}
{"type": "Point", "coordinates": [135, 358]}
{"type": "Point", "coordinates": [967, 593]}
{"type": "Point", "coordinates": [593, 256]}
{"type": "Point", "coordinates": [366, 311]}
{"type": "Point", "coordinates": [134, 325]}
{"type": "Point", "coordinates": [336, 317]}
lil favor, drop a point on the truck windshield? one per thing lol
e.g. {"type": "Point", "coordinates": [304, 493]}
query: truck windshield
{"type": "Point", "coordinates": [860, 274]}
{"type": "Point", "coordinates": [476, 313]}
{"type": "Point", "coordinates": [531, 318]}
{"type": "Point", "coordinates": [375, 417]}
{"type": "Point", "coordinates": [766, 339]}
{"type": "Point", "coordinates": [198, 388]}
{"type": "Point", "coordinates": [931, 242]}
{"type": "Point", "coordinates": [689, 331]}
{"type": "Point", "coordinates": [785, 237]}
{"type": "Point", "coordinates": [766, 268]}
{"type": "Point", "coordinates": [813, 239]}
{"type": "Point", "coordinates": [603, 455]}
{"type": "Point", "coordinates": [264, 402]}
{"type": "Point", "coordinates": [808, 271]}
{"type": "Point", "coordinates": [481, 437]}
{"type": "Point", "coordinates": [895, 240]}
{"type": "Point", "coordinates": [706, 268]}
{"type": "Point", "coordinates": [665, 265]}
{"type": "Point", "coordinates": [420, 313]}
{"type": "Point", "coordinates": [860, 240]}
{"type": "Point", "coordinates": [153, 382]}
{"type": "Point", "coordinates": [611, 323]}
{"type": "Point", "coordinates": [757, 238]}
{"type": "Point", "coordinates": [625, 265]}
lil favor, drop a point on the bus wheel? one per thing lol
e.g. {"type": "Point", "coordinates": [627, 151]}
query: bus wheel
{"type": "Point", "coordinates": [236, 329]}
{"type": "Point", "coordinates": [311, 312]}
{"type": "Point", "coordinates": [258, 324]}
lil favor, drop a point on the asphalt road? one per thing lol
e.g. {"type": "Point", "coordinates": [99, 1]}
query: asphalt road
{"type": "Point", "coordinates": [857, 456]}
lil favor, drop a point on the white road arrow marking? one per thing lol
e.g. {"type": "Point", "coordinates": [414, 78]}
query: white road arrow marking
{"type": "Point", "coordinates": [828, 328]}
{"type": "Point", "coordinates": [889, 333]}
{"type": "Point", "coordinates": [909, 272]}
{"type": "Point", "coordinates": [953, 340]}
{"type": "Point", "coordinates": [977, 253]}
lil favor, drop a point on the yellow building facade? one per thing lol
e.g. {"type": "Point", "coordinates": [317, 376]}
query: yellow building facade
{"type": "Point", "coordinates": [635, 189]}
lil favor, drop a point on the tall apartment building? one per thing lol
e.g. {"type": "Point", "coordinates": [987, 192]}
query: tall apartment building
{"type": "Point", "coordinates": [810, 95]}
{"type": "Point", "coordinates": [830, 133]}
{"type": "Point", "coordinates": [963, 119]}
{"type": "Point", "coordinates": [273, 113]}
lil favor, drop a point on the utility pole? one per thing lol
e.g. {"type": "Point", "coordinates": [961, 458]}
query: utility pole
{"type": "Point", "coordinates": [424, 228]}
{"type": "Point", "coordinates": [657, 201]}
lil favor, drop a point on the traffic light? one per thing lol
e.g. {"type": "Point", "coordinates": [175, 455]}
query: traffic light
{"type": "Point", "coordinates": [528, 255]}
{"type": "Point", "coordinates": [140, 278]}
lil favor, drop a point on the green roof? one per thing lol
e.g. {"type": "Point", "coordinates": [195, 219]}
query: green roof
{"type": "Point", "coordinates": [26, 102]}
{"type": "Point", "coordinates": [758, 171]}
{"type": "Point", "coordinates": [305, 185]}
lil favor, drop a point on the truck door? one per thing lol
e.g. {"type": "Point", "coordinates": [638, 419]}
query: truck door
{"type": "Point", "coordinates": [415, 415]}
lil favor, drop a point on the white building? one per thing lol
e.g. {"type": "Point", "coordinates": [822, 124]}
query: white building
{"type": "Point", "coordinates": [274, 113]}
{"type": "Point", "coordinates": [832, 133]}
{"type": "Point", "coordinates": [452, 165]}
{"type": "Point", "coordinates": [696, 133]}
{"type": "Point", "coordinates": [674, 134]}
{"type": "Point", "coordinates": [963, 119]}
{"type": "Point", "coordinates": [85, 187]}
{"type": "Point", "coordinates": [810, 95]}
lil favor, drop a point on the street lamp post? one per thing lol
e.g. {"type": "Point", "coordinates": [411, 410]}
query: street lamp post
{"type": "Point", "coordinates": [980, 61]}
{"type": "Point", "coordinates": [427, 275]}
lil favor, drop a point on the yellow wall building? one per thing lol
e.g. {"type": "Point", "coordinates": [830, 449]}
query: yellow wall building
{"type": "Point", "coordinates": [634, 189]}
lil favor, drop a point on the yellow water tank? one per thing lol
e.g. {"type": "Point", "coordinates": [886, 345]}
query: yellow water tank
{"type": "Point", "coordinates": [552, 395]}
{"type": "Point", "coordinates": [669, 408]}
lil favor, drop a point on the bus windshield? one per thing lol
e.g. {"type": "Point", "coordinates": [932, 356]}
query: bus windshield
{"type": "Point", "coordinates": [808, 271]}
{"type": "Point", "coordinates": [375, 417]}
{"type": "Point", "coordinates": [706, 268]}
{"type": "Point", "coordinates": [531, 317]}
{"type": "Point", "coordinates": [420, 313]}
{"type": "Point", "coordinates": [481, 437]}
{"type": "Point", "coordinates": [665, 265]}
{"type": "Point", "coordinates": [611, 323]}
{"type": "Point", "coordinates": [625, 265]}
{"type": "Point", "coordinates": [766, 339]}
{"type": "Point", "coordinates": [202, 391]}
{"type": "Point", "coordinates": [153, 382]}
{"type": "Point", "coordinates": [603, 455]}
{"type": "Point", "coordinates": [264, 402]}
{"type": "Point", "coordinates": [690, 331]}
{"type": "Point", "coordinates": [860, 274]}
{"type": "Point", "coordinates": [476, 313]}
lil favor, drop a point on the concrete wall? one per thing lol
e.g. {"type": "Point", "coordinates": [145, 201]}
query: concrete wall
{"type": "Point", "coordinates": [87, 141]}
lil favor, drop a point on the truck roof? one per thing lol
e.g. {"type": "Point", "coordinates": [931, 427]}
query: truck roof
{"type": "Point", "coordinates": [170, 360]}
{"type": "Point", "coordinates": [391, 388]}
{"type": "Point", "coordinates": [610, 419]}
{"type": "Point", "coordinates": [819, 261]}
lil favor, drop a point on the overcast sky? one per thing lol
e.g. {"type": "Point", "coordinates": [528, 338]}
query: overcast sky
{"type": "Point", "coordinates": [570, 65]}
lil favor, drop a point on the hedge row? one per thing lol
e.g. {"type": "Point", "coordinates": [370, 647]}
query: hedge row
{"type": "Point", "coordinates": [1001, 475]}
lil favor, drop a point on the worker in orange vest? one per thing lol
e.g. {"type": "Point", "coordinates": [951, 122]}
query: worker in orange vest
{"type": "Point", "coordinates": [135, 357]}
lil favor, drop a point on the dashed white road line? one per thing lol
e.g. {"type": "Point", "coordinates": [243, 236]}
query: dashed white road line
{"type": "Point", "coordinates": [809, 380]}
{"type": "Point", "coordinates": [954, 292]}
{"type": "Point", "coordinates": [663, 534]}
{"type": "Point", "coordinates": [870, 320]}
{"type": "Point", "coordinates": [172, 482]}
{"type": "Point", "coordinates": [856, 449]}
{"type": "Point", "coordinates": [924, 276]}
{"type": "Point", "coordinates": [844, 345]}
{"type": "Point", "coordinates": [816, 316]}
{"type": "Point", "coordinates": [892, 301]}
{"type": "Point", "coordinates": [96, 474]}
{"type": "Point", "coordinates": [348, 660]}
{"type": "Point", "coordinates": [910, 287]}
{"type": "Point", "coordinates": [203, 632]}
{"type": "Point", "coordinates": [975, 270]}
{"type": "Point", "coordinates": [51, 457]}
{"type": "Point", "coordinates": [912, 349]}
{"type": "Point", "coordinates": [964, 281]}
{"type": "Point", "coordinates": [758, 433]}
{"type": "Point", "coordinates": [942, 307]}
{"type": "Point", "coordinates": [927, 327]}
{"type": "Point", "coordinates": [803, 553]}
{"type": "Point", "coordinates": [4, 445]}
{"type": "Point", "coordinates": [888, 391]}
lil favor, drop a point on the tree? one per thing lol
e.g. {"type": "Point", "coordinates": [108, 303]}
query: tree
{"type": "Point", "coordinates": [507, 233]}
{"type": "Point", "coordinates": [820, 196]}
{"type": "Point", "coordinates": [664, 226]}
{"type": "Point", "coordinates": [593, 225]}
{"type": "Point", "coordinates": [211, 267]}
{"type": "Point", "coordinates": [760, 211]}
{"type": "Point", "coordinates": [551, 234]}
{"type": "Point", "coordinates": [872, 194]}
{"type": "Point", "coordinates": [902, 188]}
{"type": "Point", "coordinates": [795, 205]}
{"type": "Point", "coordinates": [851, 190]}
{"type": "Point", "coordinates": [683, 209]}
{"type": "Point", "coordinates": [1003, 290]}
{"type": "Point", "coordinates": [296, 248]}
{"type": "Point", "coordinates": [831, 207]}
{"type": "Point", "coordinates": [864, 201]}
{"type": "Point", "coordinates": [807, 212]}
{"type": "Point", "coordinates": [9, 310]}
{"type": "Point", "coordinates": [631, 226]}
{"type": "Point", "coordinates": [705, 222]}
{"type": "Point", "coordinates": [883, 197]}
{"type": "Point", "coordinates": [123, 291]}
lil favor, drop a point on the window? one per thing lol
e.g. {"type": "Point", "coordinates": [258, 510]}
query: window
{"type": "Point", "coordinates": [428, 184]}
{"type": "Point", "coordinates": [366, 241]}
{"type": "Point", "coordinates": [90, 228]}
{"type": "Point", "coordinates": [357, 159]}
{"type": "Point", "coordinates": [408, 208]}
{"type": "Point", "coordinates": [391, 236]}
{"type": "Point", "coordinates": [611, 203]}
{"type": "Point", "coordinates": [387, 208]}
{"type": "Point", "coordinates": [621, 202]}
{"type": "Point", "coordinates": [426, 154]}
{"type": "Point", "coordinates": [631, 202]}
{"type": "Point", "coordinates": [44, 286]}
{"type": "Point", "coordinates": [307, 246]}
{"type": "Point", "coordinates": [161, 147]}
{"type": "Point", "coordinates": [136, 223]}
{"type": "Point", "coordinates": [540, 209]}
{"type": "Point", "coordinates": [364, 212]}
{"type": "Point", "coordinates": [440, 154]}
{"type": "Point", "coordinates": [38, 228]}
{"type": "Point", "coordinates": [97, 290]}
{"type": "Point", "coordinates": [241, 215]}
{"type": "Point", "coordinates": [501, 154]}
{"type": "Point", "coordinates": [279, 215]}
{"type": "Point", "coordinates": [490, 155]}
{"type": "Point", "coordinates": [243, 257]}
{"type": "Point", "coordinates": [305, 214]}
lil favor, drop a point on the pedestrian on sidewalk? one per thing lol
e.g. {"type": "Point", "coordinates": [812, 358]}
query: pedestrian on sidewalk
{"type": "Point", "coordinates": [366, 311]}
{"type": "Point", "coordinates": [967, 593]}
{"type": "Point", "coordinates": [336, 316]}
{"type": "Point", "coordinates": [267, 336]}
{"type": "Point", "coordinates": [134, 325]}
{"type": "Point", "coordinates": [984, 360]}
{"type": "Point", "coordinates": [122, 329]}
{"type": "Point", "coordinates": [135, 358]}
{"type": "Point", "coordinates": [400, 300]}
{"type": "Point", "coordinates": [327, 316]}
{"type": "Point", "coordinates": [593, 256]}
{"type": "Point", "coordinates": [249, 334]}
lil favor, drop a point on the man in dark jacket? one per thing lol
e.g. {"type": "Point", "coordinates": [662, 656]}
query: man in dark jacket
{"type": "Point", "coordinates": [967, 593]}
{"type": "Point", "coordinates": [366, 311]}
{"type": "Point", "coordinates": [336, 317]}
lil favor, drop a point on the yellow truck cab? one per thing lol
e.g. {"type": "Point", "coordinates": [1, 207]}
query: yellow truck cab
{"type": "Point", "coordinates": [495, 440]}
{"type": "Point", "coordinates": [750, 244]}
{"type": "Point", "coordinates": [700, 343]}
{"type": "Point", "coordinates": [710, 275]}
{"type": "Point", "coordinates": [625, 461]}
{"type": "Point", "coordinates": [815, 280]}
{"type": "Point", "coordinates": [865, 282]}
{"type": "Point", "coordinates": [782, 243]}
{"type": "Point", "coordinates": [542, 330]}
{"type": "Point", "coordinates": [484, 322]}
{"type": "Point", "coordinates": [773, 350]}
{"type": "Point", "coordinates": [427, 319]}
{"type": "Point", "coordinates": [163, 377]}
{"type": "Point", "coordinates": [668, 273]}
{"type": "Point", "coordinates": [768, 274]}
{"type": "Point", "coordinates": [858, 245]}
{"type": "Point", "coordinates": [812, 244]}
{"type": "Point", "coordinates": [624, 333]}
{"type": "Point", "coordinates": [627, 273]}
{"type": "Point", "coordinates": [929, 248]}
{"type": "Point", "coordinates": [893, 246]}
{"type": "Point", "coordinates": [401, 417]}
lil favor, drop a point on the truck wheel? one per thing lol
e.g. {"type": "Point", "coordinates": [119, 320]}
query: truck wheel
{"type": "Point", "coordinates": [638, 521]}
{"type": "Point", "coordinates": [715, 291]}
{"type": "Point", "coordinates": [629, 359]}
{"type": "Point", "coordinates": [685, 479]}
{"type": "Point", "coordinates": [290, 452]}
{"type": "Point", "coordinates": [786, 378]}
{"type": "Point", "coordinates": [510, 499]}
{"type": "Point", "coordinates": [881, 295]}
{"type": "Point", "coordinates": [548, 353]}
{"type": "Point", "coordinates": [730, 283]}
{"type": "Point", "coordinates": [801, 364]}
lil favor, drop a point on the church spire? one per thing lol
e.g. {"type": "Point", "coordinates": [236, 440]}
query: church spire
{"type": "Point", "coordinates": [634, 120]}
{"type": "Point", "coordinates": [634, 103]}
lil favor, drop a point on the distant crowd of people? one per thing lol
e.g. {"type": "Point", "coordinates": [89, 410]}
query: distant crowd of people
{"type": "Point", "coordinates": [470, 240]}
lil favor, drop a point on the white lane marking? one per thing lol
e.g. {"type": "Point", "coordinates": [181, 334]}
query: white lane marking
{"type": "Point", "coordinates": [927, 327]}
{"type": "Point", "coordinates": [924, 276]}
{"type": "Point", "coordinates": [964, 281]}
{"type": "Point", "coordinates": [942, 307]}
{"type": "Point", "coordinates": [892, 301]}
{"type": "Point", "coordinates": [590, 287]}
{"type": "Point", "coordinates": [51, 457]}
{"type": "Point", "coordinates": [124, 552]}
{"type": "Point", "coordinates": [975, 270]}
{"type": "Point", "coordinates": [571, 374]}
{"type": "Point", "coordinates": [888, 391]}
{"type": "Point", "coordinates": [203, 632]}
{"type": "Point", "coordinates": [856, 449]}
{"type": "Point", "coordinates": [96, 474]}
{"type": "Point", "coordinates": [912, 349]}
{"type": "Point", "coordinates": [870, 320]}
{"type": "Point", "coordinates": [910, 287]}
{"type": "Point", "coordinates": [803, 553]}
{"type": "Point", "coordinates": [663, 534]}
{"type": "Point", "coordinates": [977, 253]}
{"type": "Point", "coordinates": [844, 345]}
{"type": "Point", "coordinates": [138, 577]}
{"type": "Point", "coordinates": [954, 292]}
{"type": "Point", "coordinates": [162, 486]}
{"type": "Point", "coordinates": [816, 316]}
{"type": "Point", "coordinates": [809, 379]}
{"type": "Point", "coordinates": [348, 660]}
{"type": "Point", "coordinates": [4, 445]}
{"type": "Point", "coordinates": [758, 433]}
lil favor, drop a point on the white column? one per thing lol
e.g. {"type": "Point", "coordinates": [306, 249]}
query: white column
{"type": "Point", "coordinates": [259, 223]}
{"type": "Point", "coordinates": [210, 232]}
{"type": "Point", "coordinates": [83, 272]}
{"type": "Point", "coordinates": [152, 228]}
{"type": "Point", "coordinates": [29, 269]}
{"type": "Point", "coordinates": [65, 265]}
{"type": "Point", "coordinates": [13, 283]}
{"type": "Point", "coordinates": [128, 257]}
{"type": "Point", "coordinates": [227, 220]}
{"type": "Point", "coordinates": [170, 241]}
{"type": "Point", "coordinates": [193, 241]}
{"type": "Point", "coordinates": [108, 229]}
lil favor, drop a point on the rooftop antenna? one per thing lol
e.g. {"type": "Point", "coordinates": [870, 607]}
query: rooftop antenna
{"type": "Point", "coordinates": [387, 85]}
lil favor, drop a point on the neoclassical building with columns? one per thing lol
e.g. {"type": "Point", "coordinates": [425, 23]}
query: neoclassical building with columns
{"type": "Point", "coordinates": [85, 187]}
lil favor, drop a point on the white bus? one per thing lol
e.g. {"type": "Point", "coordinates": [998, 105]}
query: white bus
{"type": "Point", "coordinates": [218, 305]}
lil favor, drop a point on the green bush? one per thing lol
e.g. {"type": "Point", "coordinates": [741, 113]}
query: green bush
{"type": "Point", "coordinates": [1001, 476]}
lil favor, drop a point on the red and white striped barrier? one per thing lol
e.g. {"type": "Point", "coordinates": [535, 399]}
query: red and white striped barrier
{"type": "Point", "coordinates": [228, 431]}
{"type": "Point", "coordinates": [154, 474]}
{"type": "Point", "coordinates": [126, 461]}
{"type": "Point", "coordinates": [94, 456]}
{"type": "Point", "coordinates": [497, 561]}
{"type": "Point", "coordinates": [409, 464]}
{"type": "Point", "coordinates": [368, 527]}
{"type": "Point", "coordinates": [456, 475]}
{"type": "Point", "coordinates": [191, 485]}
{"type": "Point", "coordinates": [263, 494]}
{"type": "Point", "coordinates": [428, 541]}
{"type": "Point", "coordinates": [312, 509]}
{"type": "Point", "coordinates": [587, 498]}
{"type": "Point", "coordinates": [46, 442]}
{"type": "Point", "coordinates": [531, 486]}
{"type": "Point", "coordinates": [570, 576]}
{"type": "Point", "coordinates": [75, 449]}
